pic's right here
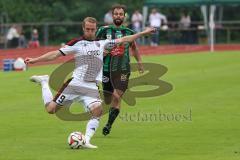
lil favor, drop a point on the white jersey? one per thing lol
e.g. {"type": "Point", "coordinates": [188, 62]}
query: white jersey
{"type": "Point", "coordinates": [156, 19]}
{"type": "Point", "coordinates": [88, 58]}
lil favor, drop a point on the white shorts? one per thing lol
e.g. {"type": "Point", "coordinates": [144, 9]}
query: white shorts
{"type": "Point", "coordinates": [78, 91]}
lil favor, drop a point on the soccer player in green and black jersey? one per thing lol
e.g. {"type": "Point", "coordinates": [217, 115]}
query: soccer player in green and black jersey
{"type": "Point", "coordinates": [116, 69]}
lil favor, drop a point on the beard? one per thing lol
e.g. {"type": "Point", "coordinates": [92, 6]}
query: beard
{"type": "Point", "coordinates": [118, 22]}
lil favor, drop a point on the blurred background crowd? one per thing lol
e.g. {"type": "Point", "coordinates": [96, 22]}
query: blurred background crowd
{"type": "Point", "coordinates": [35, 23]}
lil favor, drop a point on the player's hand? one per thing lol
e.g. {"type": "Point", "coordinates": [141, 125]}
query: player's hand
{"type": "Point", "coordinates": [140, 68]}
{"type": "Point", "coordinates": [29, 60]}
{"type": "Point", "coordinates": [149, 30]}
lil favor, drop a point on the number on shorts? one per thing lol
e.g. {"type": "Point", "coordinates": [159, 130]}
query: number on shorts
{"type": "Point", "coordinates": [61, 99]}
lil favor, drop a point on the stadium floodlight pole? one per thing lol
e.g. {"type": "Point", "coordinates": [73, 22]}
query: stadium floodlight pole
{"type": "Point", "coordinates": [46, 34]}
{"type": "Point", "coordinates": [212, 26]}
{"type": "Point", "coordinates": [145, 12]}
{"type": "Point", "coordinates": [204, 11]}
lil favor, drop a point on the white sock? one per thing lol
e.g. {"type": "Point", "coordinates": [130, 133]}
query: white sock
{"type": "Point", "coordinates": [91, 128]}
{"type": "Point", "coordinates": [46, 93]}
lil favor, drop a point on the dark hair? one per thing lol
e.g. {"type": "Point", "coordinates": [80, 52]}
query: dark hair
{"type": "Point", "coordinates": [119, 6]}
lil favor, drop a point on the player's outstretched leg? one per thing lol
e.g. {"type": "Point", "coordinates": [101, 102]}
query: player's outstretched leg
{"type": "Point", "coordinates": [51, 107]}
{"type": "Point", "coordinates": [93, 123]}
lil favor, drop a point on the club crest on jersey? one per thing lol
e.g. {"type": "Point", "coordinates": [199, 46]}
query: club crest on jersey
{"type": "Point", "coordinates": [109, 36]}
{"type": "Point", "coordinates": [97, 44]}
{"type": "Point", "coordinates": [118, 34]}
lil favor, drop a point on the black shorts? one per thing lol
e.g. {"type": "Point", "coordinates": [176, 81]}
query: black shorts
{"type": "Point", "coordinates": [115, 80]}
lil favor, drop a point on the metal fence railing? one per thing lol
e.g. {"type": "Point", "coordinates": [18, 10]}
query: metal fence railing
{"type": "Point", "coordinates": [55, 33]}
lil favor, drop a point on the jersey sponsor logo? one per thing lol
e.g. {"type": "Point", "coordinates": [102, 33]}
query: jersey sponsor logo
{"type": "Point", "coordinates": [118, 50]}
{"type": "Point", "coordinates": [105, 79]}
{"type": "Point", "coordinates": [93, 52]}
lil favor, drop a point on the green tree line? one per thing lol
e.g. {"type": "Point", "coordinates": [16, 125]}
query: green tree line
{"type": "Point", "coordinates": [60, 10]}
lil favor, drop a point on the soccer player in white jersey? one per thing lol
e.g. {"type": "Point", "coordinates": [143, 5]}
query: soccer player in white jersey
{"type": "Point", "coordinates": [88, 55]}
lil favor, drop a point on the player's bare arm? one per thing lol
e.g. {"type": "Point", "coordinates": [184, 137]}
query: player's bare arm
{"type": "Point", "coordinates": [131, 38]}
{"type": "Point", "coordinates": [49, 56]}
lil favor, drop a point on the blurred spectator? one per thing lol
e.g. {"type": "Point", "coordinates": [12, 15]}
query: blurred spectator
{"type": "Point", "coordinates": [34, 42]}
{"type": "Point", "coordinates": [195, 19]}
{"type": "Point", "coordinates": [184, 25]}
{"type": "Point", "coordinates": [173, 35]}
{"type": "Point", "coordinates": [137, 19]}
{"type": "Point", "coordinates": [108, 18]}
{"type": "Point", "coordinates": [22, 43]}
{"type": "Point", "coordinates": [156, 20]}
{"type": "Point", "coordinates": [12, 37]}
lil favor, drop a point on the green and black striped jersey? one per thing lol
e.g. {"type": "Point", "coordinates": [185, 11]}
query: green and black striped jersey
{"type": "Point", "coordinates": [116, 63]}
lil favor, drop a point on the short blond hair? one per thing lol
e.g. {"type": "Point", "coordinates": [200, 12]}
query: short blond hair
{"type": "Point", "coordinates": [89, 19]}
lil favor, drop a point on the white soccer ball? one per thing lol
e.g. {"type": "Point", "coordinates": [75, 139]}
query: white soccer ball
{"type": "Point", "coordinates": [164, 28]}
{"type": "Point", "coordinates": [76, 140]}
{"type": "Point", "coordinates": [19, 64]}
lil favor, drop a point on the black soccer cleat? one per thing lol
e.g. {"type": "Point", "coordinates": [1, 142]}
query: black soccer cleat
{"type": "Point", "coordinates": [106, 130]}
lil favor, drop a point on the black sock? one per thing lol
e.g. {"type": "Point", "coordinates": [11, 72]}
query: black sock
{"type": "Point", "coordinates": [113, 113]}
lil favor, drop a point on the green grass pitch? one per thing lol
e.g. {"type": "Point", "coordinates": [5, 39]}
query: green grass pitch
{"type": "Point", "coordinates": [206, 89]}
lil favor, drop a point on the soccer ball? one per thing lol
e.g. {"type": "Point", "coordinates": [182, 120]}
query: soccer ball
{"type": "Point", "coordinates": [76, 140]}
{"type": "Point", "coordinates": [19, 65]}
